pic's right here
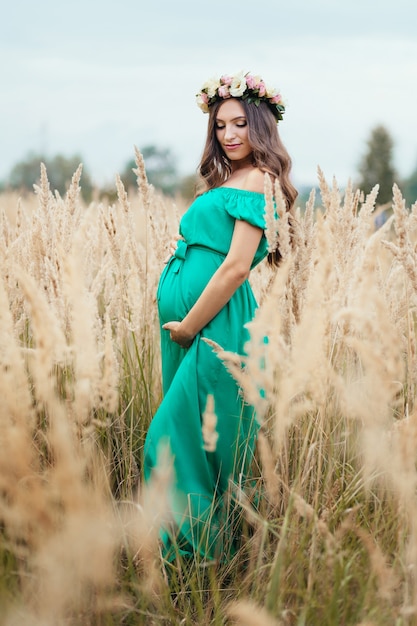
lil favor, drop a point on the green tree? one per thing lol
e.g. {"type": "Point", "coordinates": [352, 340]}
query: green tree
{"type": "Point", "coordinates": [187, 187]}
{"type": "Point", "coordinates": [376, 166]}
{"type": "Point", "coordinates": [409, 188]}
{"type": "Point", "coordinates": [161, 170]}
{"type": "Point", "coordinates": [60, 170]}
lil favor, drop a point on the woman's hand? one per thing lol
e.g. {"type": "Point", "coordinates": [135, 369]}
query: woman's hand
{"type": "Point", "coordinates": [177, 334]}
{"type": "Point", "coordinates": [172, 246]}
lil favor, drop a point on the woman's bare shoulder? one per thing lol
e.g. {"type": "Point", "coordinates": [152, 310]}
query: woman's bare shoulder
{"type": "Point", "coordinates": [255, 181]}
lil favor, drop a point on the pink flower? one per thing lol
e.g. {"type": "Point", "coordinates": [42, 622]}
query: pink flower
{"type": "Point", "coordinates": [226, 80]}
{"type": "Point", "coordinates": [223, 91]}
{"type": "Point", "coordinates": [262, 89]}
{"type": "Point", "coordinates": [204, 97]}
{"type": "Point", "coordinates": [250, 81]}
{"type": "Point", "coordinates": [277, 98]}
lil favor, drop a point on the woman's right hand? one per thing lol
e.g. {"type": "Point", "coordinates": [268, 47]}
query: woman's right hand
{"type": "Point", "coordinates": [172, 246]}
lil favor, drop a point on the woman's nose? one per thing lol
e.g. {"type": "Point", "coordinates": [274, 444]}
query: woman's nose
{"type": "Point", "coordinates": [229, 132]}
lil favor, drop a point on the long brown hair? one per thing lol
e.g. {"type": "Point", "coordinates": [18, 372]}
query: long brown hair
{"type": "Point", "coordinates": [269, 153]}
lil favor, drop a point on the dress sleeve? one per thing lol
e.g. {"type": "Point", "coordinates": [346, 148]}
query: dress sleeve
{"type": "Point", "coordinates": [247, 206]}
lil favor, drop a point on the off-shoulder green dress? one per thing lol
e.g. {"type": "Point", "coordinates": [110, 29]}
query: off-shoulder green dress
{"type": "Point", "coordinates": [201, 512]}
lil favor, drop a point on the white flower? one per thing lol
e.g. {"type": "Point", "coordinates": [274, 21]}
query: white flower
{"type": "Point", "coordinates": [211, 85]}
{"type": "Point", "coordinates": [270, 92]}
{"type": "Point", "coordinates": [202, 104]}
{"type": "Point", "coordinates": [238, 86]}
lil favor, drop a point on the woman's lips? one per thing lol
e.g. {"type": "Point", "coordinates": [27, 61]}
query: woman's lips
{"type": "Point", "coordinates": [233, 146]}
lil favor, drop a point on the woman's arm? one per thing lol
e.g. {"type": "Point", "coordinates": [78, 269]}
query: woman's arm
{"type": "Point", "coordinates": [225, 281]}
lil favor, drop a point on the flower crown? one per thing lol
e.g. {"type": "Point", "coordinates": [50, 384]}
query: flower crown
{"type": "Point", "coordinates": [244, 86]}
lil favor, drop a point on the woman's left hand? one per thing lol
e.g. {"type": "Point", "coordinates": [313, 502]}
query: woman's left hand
{"type": "Point", "coordinates": [178, 335]}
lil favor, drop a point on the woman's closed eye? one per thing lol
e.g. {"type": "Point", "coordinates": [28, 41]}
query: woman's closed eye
{"type": "Point", "coordinates": [238, 124]}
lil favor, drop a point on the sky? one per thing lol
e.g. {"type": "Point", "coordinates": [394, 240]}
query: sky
{"type": "Point", "coordinates": [96, 78]}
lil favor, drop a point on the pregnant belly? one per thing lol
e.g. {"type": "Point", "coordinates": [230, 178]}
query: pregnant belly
{"type": "Point", "coordinates": [183, 281]}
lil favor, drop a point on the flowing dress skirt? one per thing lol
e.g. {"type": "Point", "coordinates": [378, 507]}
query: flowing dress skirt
{"type": "Point", "coordinates": [201, 479]}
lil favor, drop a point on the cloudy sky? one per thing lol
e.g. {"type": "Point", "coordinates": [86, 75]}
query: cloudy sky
{"type": "Point", "coordinates": [98, 77]}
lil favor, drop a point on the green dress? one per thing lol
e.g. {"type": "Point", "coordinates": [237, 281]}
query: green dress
{"type": "Point", "coordinates": [201, 521]}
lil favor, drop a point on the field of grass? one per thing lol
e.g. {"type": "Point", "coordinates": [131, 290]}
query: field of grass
{"type": "Point", "coordinates": [330, 523]}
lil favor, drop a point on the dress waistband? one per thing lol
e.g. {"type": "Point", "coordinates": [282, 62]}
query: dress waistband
{"type": "Point", "coordinates": [181, 251]}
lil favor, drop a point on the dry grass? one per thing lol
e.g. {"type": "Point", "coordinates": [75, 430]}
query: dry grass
{"type": "Point", "coordinates": [79, 383]}
{"type": "Point", "coordinates": [329, 534]}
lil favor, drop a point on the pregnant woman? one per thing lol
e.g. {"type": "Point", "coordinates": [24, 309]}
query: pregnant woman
{"type": "Point", "coordinates": [204, 293]}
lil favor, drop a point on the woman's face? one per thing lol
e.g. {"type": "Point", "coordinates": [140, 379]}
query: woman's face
{"type": "Point", "coordinates": [232, 130]}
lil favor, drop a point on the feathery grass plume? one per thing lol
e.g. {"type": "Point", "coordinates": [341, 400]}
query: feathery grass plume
{"type": "Point", "coordinates": [5, 229]}
{"type": "Point", "coordinates": [360, 229]}
{"type": "Point", "coordinates": [404, 250]}
{"type": "Point", "coordinates": [249, 512]}
{"type": "Point", "coordinates": [267, 349]}
{"type": "Point", "coordinates": [11, 202]}
{"type": "Point", "coordinates": [367, 207]}
{"type": "Point", "coordinates": [89, 241]}
{"type": "Point", "coordinates": [210, 434]}
{"type": "Point", "coordinates": [392, 283]}
{"type": "Point", "coordinates": [39, 239]}
{"type": "Point", "coordinates": [261, 278]}
{"type": "Point", "coordinates": [330, 197]}
{"type": "Point", "coordinates": [163, 225]}
{"type": "Point", "coordinates": [84, 320]}
{"type": "Point", "coordinates": [108, 385]}
{"type": "Point", "coordinates": [387, 579]}
{"type": "Point", "coordinates": [411, 361]}
{"type": "Point", "coordinates": [20, 218]}
{"type": "Point", "coordinates": [235, 365]}
{"type": "Point", "coordinates": [270, 220]}
{"type": "Point", "coordinates": [305, 510]}
{"type": "Point", "coordinates": [43, 191]}
{"type": "Point", "coordinates": [268, 464]}
{"type": "Point", "coordinates": [122, 196]}
{"type": "Point", "coordinates": [74, 190]}
{"type": "Point", "coordinates": [283, 226]}
{"type": "Point", "coordinates": [352, 198]}
{"type": "Point", "coordinates": [324, 188]}
{"type": "Point", "coordinates": [142, 179]}
{"type": "Point", "coordinates": [130, 229]}
{"type": "Point", "coordinates": [114, 287]}
{"type": "Point", "coordinates": [16, 399]}
{"type": "Point", "coordinates": [303, 242]}
{"type": "Point", "coordinates": [247, 613]}
{"type": "Point", "coordinates": [69, 212]}
{"type": "Point", "coordinates": [341, 221]}
{"type": "Point", "coordinates": [51, 346]}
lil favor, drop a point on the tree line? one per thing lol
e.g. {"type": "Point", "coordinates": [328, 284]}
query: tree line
{"type": "Point", "coordinates": [160, 165]}
{"type": "Point", "coordinates": [375, 167]}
